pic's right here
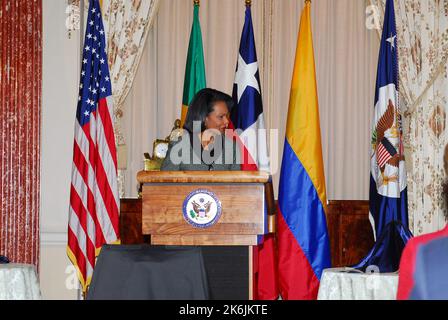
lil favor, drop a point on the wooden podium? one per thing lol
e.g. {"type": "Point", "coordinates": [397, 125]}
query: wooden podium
{"type": "Point", "coordinates": [241, 195]}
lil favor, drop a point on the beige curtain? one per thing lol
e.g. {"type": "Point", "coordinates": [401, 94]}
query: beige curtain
{"type": "Point", "coordinates": [423, 53]}
{"type": "Point", "coordinates": [126, 25]}
{"type": "Point", "coordinates": [346, 55]}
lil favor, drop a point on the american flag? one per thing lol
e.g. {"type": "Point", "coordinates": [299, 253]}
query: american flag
{"type": "Point", "coordinates": [385, 152]}
{"type": "Point", "coordinates": [94, 201]}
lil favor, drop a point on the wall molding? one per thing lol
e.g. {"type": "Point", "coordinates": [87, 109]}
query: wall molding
{"type": "Point", "coordinates": [53, 238]}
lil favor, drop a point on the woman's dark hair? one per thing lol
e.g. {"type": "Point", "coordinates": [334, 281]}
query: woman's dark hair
{"type": "Point", "coordinates": [202, 105]}
{"type": "Point", "coordinates": [445, 183]}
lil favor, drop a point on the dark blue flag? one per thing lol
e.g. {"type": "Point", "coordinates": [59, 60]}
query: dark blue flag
{"type": "Point", "coordinates": [388, 187]}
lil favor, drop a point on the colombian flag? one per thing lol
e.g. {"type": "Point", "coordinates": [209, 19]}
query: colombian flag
{"type": "Point", "coordinates": [303, 243]}
{"type": "Point", "coordinates": [195, 68]}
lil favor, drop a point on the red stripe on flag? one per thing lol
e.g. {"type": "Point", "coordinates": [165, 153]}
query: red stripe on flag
{"type": "Point", "coordinates": [265, 279]}
{"type": "Point", "coordinates": [103, 112]}
{"type": "Point", "coordinates": [77, 253]}
{"type": "Point", "coordinates": [296, 269]}
{"type": "Point", "coordinates": [80, 211]}
{"type": "Point", "coordinates": [383, 155]}
{"type": "Point", "coordinates": [247, 162]}
{"type": "Point", "coordinates": [83, 169]}
{"type": "Point", "coordinates": [92, 146]}
{"type": "Point", "coordinates": [107, 194]}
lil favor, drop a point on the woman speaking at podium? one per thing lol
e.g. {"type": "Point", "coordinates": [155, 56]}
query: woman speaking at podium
{"type": "Point", "coordinates": [204, 146]}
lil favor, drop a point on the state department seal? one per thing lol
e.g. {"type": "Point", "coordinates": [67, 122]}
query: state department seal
{"type": "Point", "coordinates": [201, 208]}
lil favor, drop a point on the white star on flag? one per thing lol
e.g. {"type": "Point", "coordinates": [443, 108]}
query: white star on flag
{"type": "Point", "coordinates": [391, 40]}
{"type": "Point", "coordinates": [245, 76]}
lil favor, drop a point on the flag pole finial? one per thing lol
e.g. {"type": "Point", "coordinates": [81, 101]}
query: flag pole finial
{"type": "Point", "coordinates": [248, 3]}
{"type": "Point", "coordinates": [307, 1]}
{"type": "Point", "coordinates": [197, 2]}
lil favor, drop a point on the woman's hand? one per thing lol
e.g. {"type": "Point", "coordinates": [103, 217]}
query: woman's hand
{"type": "Point", "coordinates": [208, 137]}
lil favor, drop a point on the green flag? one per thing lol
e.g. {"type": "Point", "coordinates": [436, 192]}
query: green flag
{"type": "Point", "coordinates": [195, 68]}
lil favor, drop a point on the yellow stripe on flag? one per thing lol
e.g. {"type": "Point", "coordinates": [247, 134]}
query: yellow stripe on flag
{"type": "Point", "coordinates": [303, 127]}
{"type": "Point", "coordinates": [84, 283]}
{"type": "Point", "coordinates": [184, 115]}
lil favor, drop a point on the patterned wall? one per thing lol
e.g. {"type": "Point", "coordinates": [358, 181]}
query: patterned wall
{"type": "Point", "coordinates": [20, 109]}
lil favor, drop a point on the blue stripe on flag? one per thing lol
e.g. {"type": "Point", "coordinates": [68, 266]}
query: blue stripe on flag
{"type": "Point", "coordinates": [297, 199]}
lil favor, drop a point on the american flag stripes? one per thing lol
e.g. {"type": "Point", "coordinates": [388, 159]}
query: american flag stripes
{"type": "Point", "coordinates": [385, 152]}
{"type": "Point", "coordinates": [94, 201]}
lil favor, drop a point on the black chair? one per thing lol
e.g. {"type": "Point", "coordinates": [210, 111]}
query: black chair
{"type": "Point", "coordinates": [144, 272]}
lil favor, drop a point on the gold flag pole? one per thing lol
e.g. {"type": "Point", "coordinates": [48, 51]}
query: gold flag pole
{"type": "Point", "coordinates": [248, 3]}
{"type": "Point", "coordinates": [197, 2]}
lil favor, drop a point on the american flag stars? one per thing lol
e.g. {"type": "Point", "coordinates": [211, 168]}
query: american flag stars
{"type": "Point", "coordinates": [95, 80]}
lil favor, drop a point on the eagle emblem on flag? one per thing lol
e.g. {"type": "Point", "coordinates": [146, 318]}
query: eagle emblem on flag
{"type": "Point", "coordinates": [387, 149]}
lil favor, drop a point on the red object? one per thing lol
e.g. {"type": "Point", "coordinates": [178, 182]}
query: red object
{"type": "Point", "coordinates": [407, 262]}
{"type": "Point", "coordinates": [20, 110]}
{"type": "Point", "coordinates": [265, 285]}
{"type": "Point", "coordinates": [295, 267]}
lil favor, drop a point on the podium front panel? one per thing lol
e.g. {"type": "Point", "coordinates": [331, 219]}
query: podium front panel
{"type": "Point", "coordinates": [242, 214]}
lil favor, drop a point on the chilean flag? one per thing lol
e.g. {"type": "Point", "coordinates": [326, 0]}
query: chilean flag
{"type": "Point", "coordinates": [247, 117]}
